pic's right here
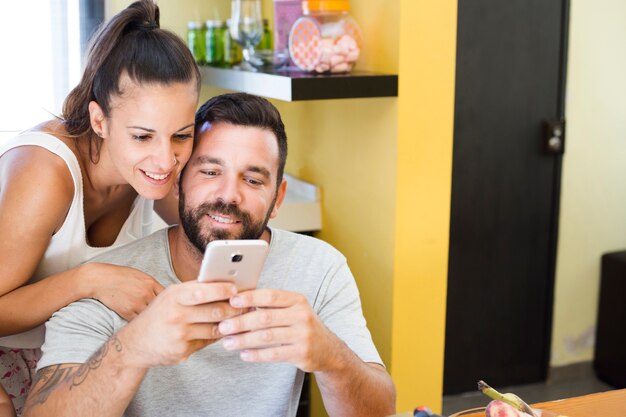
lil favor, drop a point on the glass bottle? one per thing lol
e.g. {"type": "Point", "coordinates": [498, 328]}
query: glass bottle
{"type": "Point", "coordinates": [214, 42]}
{"type": "Point", "coordinates": [266, 42]}
{"type": "Point", "coordinates": [196, 41]}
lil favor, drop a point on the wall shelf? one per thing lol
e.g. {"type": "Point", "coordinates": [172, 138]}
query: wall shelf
{"type": "Point", "coordinates": [297, 86]}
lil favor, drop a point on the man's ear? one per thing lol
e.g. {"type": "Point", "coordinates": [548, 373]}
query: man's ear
{"type": "Point", "coordinates": [280, 197]}
{"type": "Point", "coordinates": [97, 119]}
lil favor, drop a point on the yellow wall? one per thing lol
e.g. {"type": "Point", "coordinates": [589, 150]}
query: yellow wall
{"type": "Point", "coordinates": [593, 198]}
{"type": "Point", "coordinates": [424, 175]}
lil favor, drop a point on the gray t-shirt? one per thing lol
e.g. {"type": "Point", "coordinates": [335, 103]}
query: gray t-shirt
{"type": "Point", "coordinates": [214, 381]}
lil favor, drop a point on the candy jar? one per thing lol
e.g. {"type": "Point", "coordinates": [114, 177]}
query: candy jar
{"type": "Point", "coordinates": [325, 38]}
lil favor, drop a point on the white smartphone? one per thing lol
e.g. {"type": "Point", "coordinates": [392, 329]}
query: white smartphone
{"type": "Point", "coordinates": [236, 261]}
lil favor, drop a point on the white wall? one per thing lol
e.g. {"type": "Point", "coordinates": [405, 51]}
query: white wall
{"type": "Point", "coordinates": [593, 198]}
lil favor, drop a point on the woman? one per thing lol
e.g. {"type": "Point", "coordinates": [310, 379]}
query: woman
{"type": "Point", "coordinates": [77, 186]}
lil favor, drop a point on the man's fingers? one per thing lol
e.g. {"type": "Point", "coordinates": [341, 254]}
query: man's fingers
{"type": "Point", "coordinates": [211, 313]}
{"type": "Point", "coordinates": [266, 298]}
{"type": "Point", "coordinates": [265, 338]}
{"type": "Point", "coordinates": [203, 331]}
{"type": "Point", "coordinates": [286, 353]}
{"type": "Point", "coordinates": [156, 289]}
{"type": "Point", "coordinates": [194, 293]}
{"type": "Point", "coordinates": [261, 319]}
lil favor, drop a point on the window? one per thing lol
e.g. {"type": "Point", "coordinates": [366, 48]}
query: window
{"type": "Point", "coordinates": [41, 49]}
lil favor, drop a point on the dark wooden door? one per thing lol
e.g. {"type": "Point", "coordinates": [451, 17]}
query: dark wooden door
{"type": "Point", "coordinates": [510, 77]}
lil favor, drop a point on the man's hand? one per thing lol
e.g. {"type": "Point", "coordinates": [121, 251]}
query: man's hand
{"type": "Point", "coordinates": [282, 328]}
{"type": "Point", "coordinates": [180, 320]}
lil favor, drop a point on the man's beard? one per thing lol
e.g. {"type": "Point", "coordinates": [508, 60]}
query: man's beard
{"type": "Point", "coordinates": [190, 219]}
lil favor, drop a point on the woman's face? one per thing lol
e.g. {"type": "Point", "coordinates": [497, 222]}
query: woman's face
{"type": "Point", "coordinates": [148, 135]}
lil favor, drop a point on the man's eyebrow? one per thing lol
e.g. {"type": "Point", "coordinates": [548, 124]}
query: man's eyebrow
{"type": "Point", "coordinates": [263, 171]}
{"type": "Point", "coordinates": [204, 159]}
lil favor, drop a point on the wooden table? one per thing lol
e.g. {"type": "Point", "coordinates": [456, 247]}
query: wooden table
{"type": "Point", "coordinates": [603, 404]}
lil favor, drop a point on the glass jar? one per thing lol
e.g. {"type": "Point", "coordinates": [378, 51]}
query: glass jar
{"type": "Point", "coordinates": [325, 38]}
{"type": "Point", "coordinates": [196, 41]}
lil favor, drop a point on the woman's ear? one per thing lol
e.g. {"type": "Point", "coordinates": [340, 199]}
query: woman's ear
{"type": "Point", "coordinates": [97, 119]}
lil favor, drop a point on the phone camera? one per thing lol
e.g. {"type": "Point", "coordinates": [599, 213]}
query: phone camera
{"type": "Point", "coordinates": [236, 258]}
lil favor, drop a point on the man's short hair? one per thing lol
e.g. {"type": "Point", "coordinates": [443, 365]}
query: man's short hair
{"type": "Point", "coordinates": [243, 109]}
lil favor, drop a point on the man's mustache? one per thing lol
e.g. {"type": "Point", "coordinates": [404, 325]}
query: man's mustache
{"type": "Point", "coordinates": [219, 207]}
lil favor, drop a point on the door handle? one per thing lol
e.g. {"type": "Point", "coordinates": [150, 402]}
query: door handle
{"type": "Point", "coordinates": [554, 137]}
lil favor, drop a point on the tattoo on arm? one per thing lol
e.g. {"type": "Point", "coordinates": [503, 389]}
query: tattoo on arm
{"type": "Point", "coordinates": [95, 361]}
{"type": "Point", "coordinates": [48, 379]}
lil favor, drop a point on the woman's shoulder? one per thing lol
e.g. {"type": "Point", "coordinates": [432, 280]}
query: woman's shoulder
{"type": "Point", "coordinates": [41, 151]}
{"type": "Point", "coordinates": [37, 161]}
{"type": "Point", "coordinates": [36, 187]}
{"type": "Point", "coordinates": [51, 131]}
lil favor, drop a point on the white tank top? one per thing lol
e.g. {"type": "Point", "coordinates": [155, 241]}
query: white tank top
{"type": "Point", "coordinates": [68, 247]}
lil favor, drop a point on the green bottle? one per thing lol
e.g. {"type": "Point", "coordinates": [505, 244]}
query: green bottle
{"type": "Point", "coordinates": [214, 42]}
{"type": "Point", "coordinates": [266, 42]}
{"type": "Point", "coordinates": [196, 41]}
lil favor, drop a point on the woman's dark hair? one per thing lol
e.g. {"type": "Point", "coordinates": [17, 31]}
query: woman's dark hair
{"type": "Point", "coordinates": [243, 109]}
{"type": "Point", "coordinates": [130, 42]}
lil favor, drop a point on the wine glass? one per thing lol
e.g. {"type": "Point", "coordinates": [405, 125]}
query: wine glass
{"type": "Point", "coordinates": [246, 28]}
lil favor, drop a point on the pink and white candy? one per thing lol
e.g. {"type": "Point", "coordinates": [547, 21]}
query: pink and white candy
{"type": "Point", "coordinates": [338, 55]}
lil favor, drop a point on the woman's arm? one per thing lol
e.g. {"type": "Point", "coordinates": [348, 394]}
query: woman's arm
{"type": "Point", "coordinates": [125, 290]}
{"type": "Point", "coordinates": [36, 190]}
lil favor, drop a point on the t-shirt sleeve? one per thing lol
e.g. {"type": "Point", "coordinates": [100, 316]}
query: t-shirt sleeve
{"type": "Point", "coordinates": [75, 332]}
{"type": "Point", "coordinates": [340, 310]}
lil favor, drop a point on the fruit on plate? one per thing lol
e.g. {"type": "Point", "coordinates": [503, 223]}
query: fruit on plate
{"type": "Point", "coordinates": [499, 408]}
{"type": "Point", "coordinates": [508, 398]}
{"type": "Point", "coordinates": [508, 405]}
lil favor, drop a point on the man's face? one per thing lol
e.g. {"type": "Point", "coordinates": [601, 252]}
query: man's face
{"type": "Point", "coordinates": [228, 189]}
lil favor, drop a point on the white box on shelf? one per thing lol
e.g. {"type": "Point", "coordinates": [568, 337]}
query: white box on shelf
{"type": "Point", "coordinates": [301, 211]}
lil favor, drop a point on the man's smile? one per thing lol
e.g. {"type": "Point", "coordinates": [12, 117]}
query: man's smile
{"type": "Point", "coordinates": [223, 220]}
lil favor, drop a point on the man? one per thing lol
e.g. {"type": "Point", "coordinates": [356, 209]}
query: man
{"type": "Point", "coordinates": [304, 317]}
